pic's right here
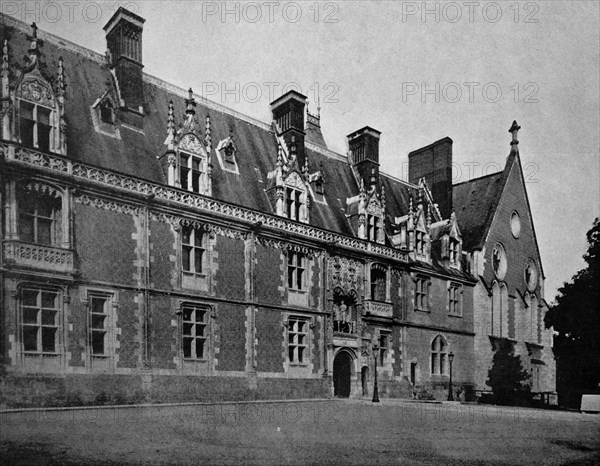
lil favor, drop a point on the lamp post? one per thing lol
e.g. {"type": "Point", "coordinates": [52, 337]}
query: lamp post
{"type": "Point", "coordinates": [376, 354]}
{"type": "Point", "coordinates": [450, 395]}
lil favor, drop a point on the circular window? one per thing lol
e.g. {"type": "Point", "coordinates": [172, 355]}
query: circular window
{"type": "Point", "coordinates": [499, 263]}
{"type": "Point", "coordinates": [515, 224]}
{"type": "Point", "coordinates": [531, 275]}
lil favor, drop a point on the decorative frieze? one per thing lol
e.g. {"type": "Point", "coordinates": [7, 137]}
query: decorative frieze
{"type": "Point", "coordinates": [105, 204]}
{"type": "Point", "coordinates": [200, 202]}
{"type": "Point", "coordinates": [38, 256]}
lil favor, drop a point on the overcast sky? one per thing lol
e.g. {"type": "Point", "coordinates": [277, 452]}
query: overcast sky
{"type": "Point", "coordinates": [459, 69]}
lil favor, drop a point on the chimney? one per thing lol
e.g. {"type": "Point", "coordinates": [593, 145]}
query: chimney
{"type": "Point", "coordinates": [434, 163]}
{"type": "Point", "coordinates": [288, 114]}
{"type": "Point", "coordinates": [124, 41]}
{"type": "Point", "coordinates": [364, 146]}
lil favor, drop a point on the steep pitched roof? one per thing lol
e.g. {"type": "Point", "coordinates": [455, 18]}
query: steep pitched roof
{"type": "Point", "coordinates": [138, 152]}
{"type": "Point", "coordinates": [475, 202]}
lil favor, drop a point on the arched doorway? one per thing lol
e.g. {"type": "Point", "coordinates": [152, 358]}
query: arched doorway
{"type": "Point", "coordinates": [342, 374]}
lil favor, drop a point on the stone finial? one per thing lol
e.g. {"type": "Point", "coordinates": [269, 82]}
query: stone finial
{"type": "Point", "coordinates": [428, 216]}
{"type": "Point", "coordinates": [60, 81]}
{"type": "Point", "coordinates": [171, 120]}
{"type": "Point", "coordinates": [208, 134]}
{"type": "Point", "coordinates": [514, 129]}
{"type": "Point", "coordinates": [33, 48]}
{"type": "Point", "coordinates": [373, 179]}
{"type": "Point", "coordinates": [279, 155]}
{"type": "Point", "coordinates": [293, 148]}
{"type": "Point", "coordinates": [34, 30]}
{"type": "Point", "coordinates": [190, 103]}
{"type": "Point", "coordinates": [5, 68]}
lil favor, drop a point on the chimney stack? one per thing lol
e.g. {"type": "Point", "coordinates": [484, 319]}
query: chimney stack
{"type": "Point", "coordinates": [124, 41]}
{"type": "Point", "coordinates": [288, 114]}
{"type": "Point", "coordinates": [434, 163]}
{"type": "Point", "coordinates": [364, 146]}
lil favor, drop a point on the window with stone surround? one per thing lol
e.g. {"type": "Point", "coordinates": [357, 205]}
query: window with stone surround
{"type": "Point", "coordinates": [100, 324]}
{"type": "Point", "coordinates": [422, 294]}
{"type": "Point", "coordinates": [193, 250]}
{"type": "Point", "coordinates": [39, 214]}
{"type": "Point", "coordinates": [40, 312]}
{"type": "Point", "coordinates": [194, 331]}
{"type": "Point", "coordinates": [298, 337]}
{"type": "Point", "coordinates": [454, 247]}
{"type": "Point", "coordinates": [378, 282]}
{"type": "Point", "coordinates": [35, 125]}
{"type": "Point", "coordinates": [454, 299]}
{"type": "Point", "coordinates": [439, 356]}
{"type": "Point", "coordinates": [420, 242]}
{"type": "Point", "coordinates": [373, 224]}
{"type": "Point", "coordinates": [293, 203]}
{"type": "Point", "coordinates": [190, 172]}
{"type": "Point", "coordinates": [384, 346]}
{"type": "Point", "coordinates": [296, 271]}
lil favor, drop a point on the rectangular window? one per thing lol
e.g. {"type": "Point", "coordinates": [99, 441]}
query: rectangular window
{"type": "Point", "coordinates": [190, 172]}
{"type": "Point", "coordinates": [378, 283]}
{"type": "Point", "coordinates": [454, 251]}
{"type": "Point", "coordinates": [192, 250]}
{"type": "Point", "coordinates": [39, 324]}
{"type": "Point", "coordinates": [384, 347]}
{"type": "Point", "coordinates": [421, 294]}
{"type": "Point", "coordinates": [100, 310]}
{"type": "Point", "coordinates": [194, 332]}
{"type": "Point", "coordinates": [298, 340]}
{"type": "Point", "coordinates": [296, 271]}
{"type": "Point", "coordinates": [39, 216]}
{"type": "Point", "coordinates": [293, 203]}
{"type": "Point", "coordinates": [372, 227]}
{"type": "Point", "coordinates": [420, 242]}
{"type": "Point", "coordinates": [454, 292]}
{"type": "Point", "coordinates": [35, 125]}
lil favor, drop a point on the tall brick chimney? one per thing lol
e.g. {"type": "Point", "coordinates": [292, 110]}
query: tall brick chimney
{"type": "Point", "coordinates": [124, 41]}
{"type": "Point", "coordinates": [434, 163]}
{"type": "Point", "coordinates": [288, 114]}
{"type": "Point", "coordinates": [364, 146]}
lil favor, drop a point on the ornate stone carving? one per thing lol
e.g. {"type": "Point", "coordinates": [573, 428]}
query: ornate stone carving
{"type": "Point", "coordinates": [344, 273]}
{"type": "Point", "coordinates": [34, 89]}
{"type": "Point", "coordinates": [201, 202]}
{"type": "Point", "coordinates": [101, 203]}
{"type": "Point", "coordinates": [38, 256]}
{"type": "Point", "coordinates": [190, 143]}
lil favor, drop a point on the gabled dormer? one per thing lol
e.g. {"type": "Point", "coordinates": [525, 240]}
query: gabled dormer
{"type": "Point", "coordinates": [288, 185]}
{"type": "Point", "coordinates": [33, 104]}
{"type": "Point", "coordinates": [447, 242]}
{"type": "Point", "coordinates": [187, 156]}
{"type": "Point", "coordinates": [104, 115]}
{"type": "Point", "coordinates": [366, 213]}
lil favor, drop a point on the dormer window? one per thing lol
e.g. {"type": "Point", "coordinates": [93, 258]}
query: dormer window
{"type": "Point", "coordinates": [293, 203]}
{"type": "Point", "coordinates": [107, 113]}
{"type": "Point", "coordinates": [35, 125]}
{"type": "Point", "coordinates": [420, 242]}
{"type": "Point", "coordinates": [227, 155]}
{"type": "Point", "coordinates": [190, 172]}
{"type": "Point", "coordinates": [373, 227]}
{"type": "Point", "coordinates": [454, 247]}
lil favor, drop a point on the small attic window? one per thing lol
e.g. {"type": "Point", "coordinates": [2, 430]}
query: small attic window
{"type": "Point", "coordinates": [227, 155]}
{"type": "Point", "coordinates": [107, 112]}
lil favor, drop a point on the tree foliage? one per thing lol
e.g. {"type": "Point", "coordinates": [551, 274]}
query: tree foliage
{"type": "Point", "coordinates": [576, 318]}
{"type": "Point", "coordinates": [507, 377]}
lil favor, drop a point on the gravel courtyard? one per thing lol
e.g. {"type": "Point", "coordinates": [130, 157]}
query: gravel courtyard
{"type": "Point", "coordinates": [314, 432]}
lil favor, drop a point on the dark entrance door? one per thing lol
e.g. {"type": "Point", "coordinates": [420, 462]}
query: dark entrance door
{"type": "Point", "coordinates": [342, 372]}
{"type": "Point", "coordinates": [364, 375]}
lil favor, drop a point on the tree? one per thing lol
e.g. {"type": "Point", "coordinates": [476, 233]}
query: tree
{"type": "Point", "coordinates": [507, 377]}
{"type": "Point", "coordinates": [575, 316]}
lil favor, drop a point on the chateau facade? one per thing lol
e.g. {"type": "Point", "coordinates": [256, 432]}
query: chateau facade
{"type": "Point", "coordinates": [160, 247]}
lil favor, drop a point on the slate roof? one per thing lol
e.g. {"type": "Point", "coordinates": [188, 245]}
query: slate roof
{"type": "Point", "coordinates": [475, 202]}
{"type": "Point", "coordinates": [137, 153]}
